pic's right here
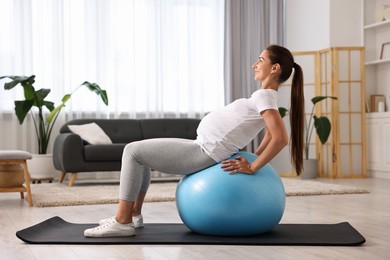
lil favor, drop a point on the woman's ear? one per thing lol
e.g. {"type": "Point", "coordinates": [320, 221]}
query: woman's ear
{"type": "Point", "coordinates": [275, 68]}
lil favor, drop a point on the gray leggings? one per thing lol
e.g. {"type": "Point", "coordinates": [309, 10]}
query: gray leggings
{"type": "Point", "coordinates": [167, 155]}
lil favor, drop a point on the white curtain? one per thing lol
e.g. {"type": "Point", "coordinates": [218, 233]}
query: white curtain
{"type": "Point", "coordinates": [155, 58]}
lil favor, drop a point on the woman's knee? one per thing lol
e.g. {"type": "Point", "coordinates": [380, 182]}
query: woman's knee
{"type": "Point", "coordinates": [131, 150]}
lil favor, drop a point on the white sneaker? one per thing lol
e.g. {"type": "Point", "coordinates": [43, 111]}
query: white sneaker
{"type": "Point", "coordinates": [111, 228]}
{"type": "Point", "coordinates": [138, 221]}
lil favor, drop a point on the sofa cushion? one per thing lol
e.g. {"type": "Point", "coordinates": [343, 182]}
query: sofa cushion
{"type": "Point", "coordinates": [169, 128]}
{"type": "Point", "coordinates": [91, 133]}
{"type": "Point", "coordinates": [101, 152]}
{"type": "Point", "coordinates": [119, 130]}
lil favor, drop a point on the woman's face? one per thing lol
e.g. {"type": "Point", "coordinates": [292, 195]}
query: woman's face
{"type": "Point", "coordinates": [262, 67]}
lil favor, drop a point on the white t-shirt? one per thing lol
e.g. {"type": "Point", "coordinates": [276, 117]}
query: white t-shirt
{"type": "Point", "coordinates": [224, 132]}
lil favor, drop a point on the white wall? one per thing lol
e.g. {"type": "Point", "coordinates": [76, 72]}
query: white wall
{"type": "Point", "coordinates": [346, 23]}
{"type": "Point", "coordinates": [307, 24]}
{"type": "Point", "coordinates": [314, 25]}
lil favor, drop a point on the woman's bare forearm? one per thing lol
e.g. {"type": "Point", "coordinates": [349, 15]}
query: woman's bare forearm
{"type": "Point", "coordinates": [272, 149]}
{"type": "Point", "coordinates": [264, 143]}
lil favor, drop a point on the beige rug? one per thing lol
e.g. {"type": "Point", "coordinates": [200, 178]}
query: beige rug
{"type": "Point", "coordinates": [56, 194]}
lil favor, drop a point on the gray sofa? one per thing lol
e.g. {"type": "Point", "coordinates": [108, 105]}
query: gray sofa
{"type": "Point", "coordinates": [74, 155]}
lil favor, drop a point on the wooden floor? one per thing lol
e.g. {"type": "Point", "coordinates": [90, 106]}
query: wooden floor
{"type": "Point", "coordinates": [368, 213]}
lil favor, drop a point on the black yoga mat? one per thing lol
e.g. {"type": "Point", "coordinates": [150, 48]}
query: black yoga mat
{"type": "Point", "coordinates": [57, 231]}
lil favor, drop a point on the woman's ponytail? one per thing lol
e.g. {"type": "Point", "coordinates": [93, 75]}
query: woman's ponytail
{"type": "Point", "coordinates": [297, 120]}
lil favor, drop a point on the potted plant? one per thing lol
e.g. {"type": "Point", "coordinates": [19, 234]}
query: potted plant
{"type": "Point", "coordinates": [323, 127]}
{"type": "Point", "coordinates": [35, 103]}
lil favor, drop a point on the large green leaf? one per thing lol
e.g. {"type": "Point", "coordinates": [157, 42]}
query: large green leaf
{"type": "Point", "coordinates": [317, 99]}
{"type": "Point", "coordinates": [56, 110]}
{"type": "Point", "coordinates": [282, 111]}
{"type": "Point", "coordinates": [22, 108]}
{"type": "Point", "coordinates": [65, 98]}
{"type": "Point", "coordinates": [95, 88]}
{"type": "Point", "coordinates": [323, 127]}
{"type": "Point", "coordinates": [49, 105]}
{"type": "Point", "coordinates": [40, 96]}
{"type": "Point", "coordinates": [23, 80]}
{"type": "Point", "coordinates": [29, 92]}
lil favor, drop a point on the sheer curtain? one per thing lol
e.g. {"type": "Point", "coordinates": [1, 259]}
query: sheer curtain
{"type": "Point", "coordinates": [155, 58]}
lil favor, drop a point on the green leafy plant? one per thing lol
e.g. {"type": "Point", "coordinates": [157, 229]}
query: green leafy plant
{"type": "Point", "coordinates": [282, 111]}
{"type": "Point", "coordinates": [36, 98]}
{"type": "Point", "coordinates": [322, 125]}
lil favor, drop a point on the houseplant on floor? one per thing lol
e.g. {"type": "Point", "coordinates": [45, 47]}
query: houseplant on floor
{"type": "Point", "coordinates": [323, 127]}
{"type": "Point", "coordinates": [35, 103]}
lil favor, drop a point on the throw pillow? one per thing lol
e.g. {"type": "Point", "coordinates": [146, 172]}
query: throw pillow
{"type": "Point", "coordinates": [92, 133]}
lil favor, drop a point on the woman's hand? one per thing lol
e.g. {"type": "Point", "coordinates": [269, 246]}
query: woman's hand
{"type": "Point", "coordinates": [239, 165]}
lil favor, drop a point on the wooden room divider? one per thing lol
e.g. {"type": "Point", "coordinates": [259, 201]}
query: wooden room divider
{"type": "Point", "coordinates": [339, 72]}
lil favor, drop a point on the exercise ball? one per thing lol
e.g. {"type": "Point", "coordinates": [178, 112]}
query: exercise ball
{"type": "Point", "coordinates": [213, 202]}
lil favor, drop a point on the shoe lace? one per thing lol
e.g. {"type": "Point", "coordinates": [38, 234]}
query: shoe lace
{"type": "Point", "coordinates": [106, 224]}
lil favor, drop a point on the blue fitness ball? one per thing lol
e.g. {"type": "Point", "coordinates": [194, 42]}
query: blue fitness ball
{"type": "Point", "coordinates": [213, 202]}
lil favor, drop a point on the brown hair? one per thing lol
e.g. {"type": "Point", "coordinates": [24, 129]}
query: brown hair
{"type": "Point", "coordinates": [282, 56]}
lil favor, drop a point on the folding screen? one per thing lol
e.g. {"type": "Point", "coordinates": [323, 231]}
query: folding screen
{"type": "Point", "coordinates": [339, 72]}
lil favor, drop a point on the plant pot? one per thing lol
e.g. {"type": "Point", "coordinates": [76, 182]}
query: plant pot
{"type": "Point", "coordinates": [11, 176]}
{"type": "Point", "coordinates": [310, 169]}
{"type": "Point", "coordinates": [41, 167]}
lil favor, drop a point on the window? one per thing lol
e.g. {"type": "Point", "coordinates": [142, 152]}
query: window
{"type": "Point", "coordinates": [151, 56]}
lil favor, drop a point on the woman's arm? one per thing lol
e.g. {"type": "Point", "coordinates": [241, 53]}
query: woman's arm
{"type": "Point", "coordinates": [264, 142]}
{"type": "Point", "coordinates": [277, 139]}
{"type": "Point", "coordinates": [277, 132]}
